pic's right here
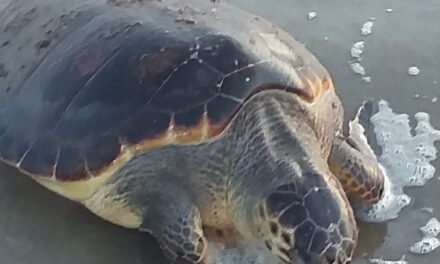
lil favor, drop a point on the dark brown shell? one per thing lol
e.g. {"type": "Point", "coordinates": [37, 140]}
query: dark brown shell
{"type": "Point", "coordinates": [84, 89]}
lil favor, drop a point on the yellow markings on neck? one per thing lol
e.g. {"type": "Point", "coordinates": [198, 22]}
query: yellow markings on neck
{"type": "Point", "coordinates": [114, 207]}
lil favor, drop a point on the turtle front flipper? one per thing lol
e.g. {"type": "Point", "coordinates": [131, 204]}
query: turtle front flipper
{"type": "Point", "coordinates": [174, 220]}
{"type": "Point", "coordinates": [357, 169]}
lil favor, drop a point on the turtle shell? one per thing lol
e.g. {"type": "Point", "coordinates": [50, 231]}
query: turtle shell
{"type": "Point", "coordinates": [117, 81]}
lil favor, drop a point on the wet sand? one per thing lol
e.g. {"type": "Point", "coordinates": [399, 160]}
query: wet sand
{"type": "Point", "coordinates": [38, 227]}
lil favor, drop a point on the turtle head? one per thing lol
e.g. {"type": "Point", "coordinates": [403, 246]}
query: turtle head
{"type": "Point", "coordinates": [308, 221]}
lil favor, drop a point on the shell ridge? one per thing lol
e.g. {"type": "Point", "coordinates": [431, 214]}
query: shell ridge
{"type": "Point", "coordinates": [166, 80]}
{"type": "Point", "coordinates": [212, 68]}
{"type": "Point", "coordinates": [68, 107]}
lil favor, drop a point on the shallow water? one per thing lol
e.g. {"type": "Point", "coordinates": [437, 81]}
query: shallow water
{"type": "Point", "coordinates": [39, 227]}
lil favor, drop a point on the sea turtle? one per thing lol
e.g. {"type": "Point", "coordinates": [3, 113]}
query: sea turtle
{"type": "Point", "coordinates": [184, 119]}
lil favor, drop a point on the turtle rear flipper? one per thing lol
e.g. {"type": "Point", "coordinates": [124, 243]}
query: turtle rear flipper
{"type": "Point", "coordinates": [357, 168]}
